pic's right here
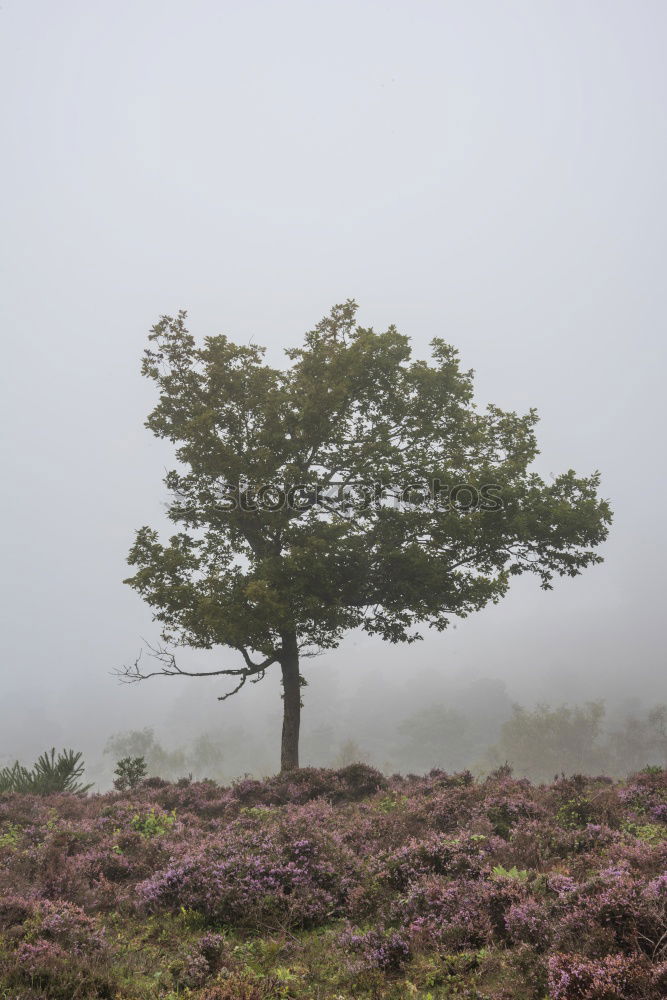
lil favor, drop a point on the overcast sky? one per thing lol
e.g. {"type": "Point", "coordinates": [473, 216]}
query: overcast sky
{"type": "Point", "coordinates": [492, 173]}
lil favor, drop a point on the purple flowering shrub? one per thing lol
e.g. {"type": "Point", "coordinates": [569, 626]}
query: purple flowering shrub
{"type": "Point", "coordinates": [402, 876]}
{"type": "Point", "coordinates": [646, 792]}
{"type": "Point", "coordinates": [260, 872]}
{"type": "Point", "coordinates": [613, 977]}
{"type": "Point", "coordinates": [56, 945]}
{"type": "Point", "coordinates": [437, 854]}
{"type": "Point", "coordinates": [347, 784]}
{"type": "Point", "coordinates": [509, 802]}
{"type": "Point", "coordinates": [378, 948]}
{"type": "Point", "coordinates": [528, 922]}
{"type": "Point", "coordinates": [450, 914]}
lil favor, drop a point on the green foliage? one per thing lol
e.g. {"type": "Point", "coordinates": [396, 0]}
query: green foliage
{"type": "Point", "coordinates": [575, 813]}
{"type": "Point", "coordinates": [255, 812]}
{"type": "Point", "coordinates": [129, 772]}
{"type": "Point", "coordinates": [353, 407]}
{"type": "Point", "coordinates": [650, 833]}
{"type": "Point", "coordinates": [519, 875]}
{"type": "Point", "coordinates": [153, 823]}
{"type": "Point", "coordinates": [11, 778]}
{"type": "Point", "coordinates": [388, 803]}
{"type": "Point", "coordinates": [10, 836]}
{"type": "Point", "coordinates": [48, 775]}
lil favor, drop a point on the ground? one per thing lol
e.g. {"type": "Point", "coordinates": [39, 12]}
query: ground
{"type": "Point", "coordinates": [329, 884]}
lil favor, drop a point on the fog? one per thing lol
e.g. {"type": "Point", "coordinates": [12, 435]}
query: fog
{"type": "Point", "coordinates": [489, 173]}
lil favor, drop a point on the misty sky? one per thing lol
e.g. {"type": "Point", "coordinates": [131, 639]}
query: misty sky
{"type": "Point", "coordinates": [492, 173]}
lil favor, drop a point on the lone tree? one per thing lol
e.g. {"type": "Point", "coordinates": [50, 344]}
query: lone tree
{"type": "Point", "coordinates": [357, 488]}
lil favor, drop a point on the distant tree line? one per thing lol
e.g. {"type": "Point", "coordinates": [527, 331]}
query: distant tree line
{"type": "Point", "coordinates": [539, 743]}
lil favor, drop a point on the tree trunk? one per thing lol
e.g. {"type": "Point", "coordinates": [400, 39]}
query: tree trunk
{"type": "Point", "coordinates": [289, 755]}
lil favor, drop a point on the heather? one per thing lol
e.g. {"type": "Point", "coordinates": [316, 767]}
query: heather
{"type": "Point", "coordinates": [335, 883]}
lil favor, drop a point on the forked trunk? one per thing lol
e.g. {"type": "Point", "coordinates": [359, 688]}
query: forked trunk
{"type": "Point", "coordinates": [289, 755]}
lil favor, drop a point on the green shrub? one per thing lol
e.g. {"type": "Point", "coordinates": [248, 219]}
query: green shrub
{"type": "Point", "coordinates": [10, 837]}
{"type": "Point", "coordinates": [153, 823]}
{"type": "Point", "coordinates": [519, 874]}
{"type": "Point", "coordinates": [49, 775]}
{"type": "Point", "coordinates": [575, 813]}
{"type": "Point", "coordinates": [129, 772]}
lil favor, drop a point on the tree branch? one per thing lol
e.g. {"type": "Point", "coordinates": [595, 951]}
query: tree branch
{"type": "Point", "coordinates": [169, 668]}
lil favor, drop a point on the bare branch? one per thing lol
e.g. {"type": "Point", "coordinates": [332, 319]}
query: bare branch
{"type": "Point", "coordinates": [246, 676]}
{"type": "Point", "coordinates": [224, 697]}
{"type": "Point", "coordinates": [169, 668]}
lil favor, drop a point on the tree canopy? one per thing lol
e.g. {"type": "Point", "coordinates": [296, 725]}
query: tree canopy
{"type": "Point", "coordinates": [355, 488]}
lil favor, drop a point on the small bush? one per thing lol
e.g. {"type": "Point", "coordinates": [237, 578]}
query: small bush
{"type": "Point", "coordinates": [572, 977]}
{"type": "Point", "coordinates": [129, 773]}
{"type": "Point", "coordinates": [55, 945]}
{"type": "Point", "coordinates": [153, 823]}
{"type": "Point", "coordinates": [388, 951]}
{"type": "Point", "coordinates": [49, 775]}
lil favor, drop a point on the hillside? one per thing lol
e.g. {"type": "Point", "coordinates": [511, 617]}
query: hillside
{"type": "Point", "coordinates": [334, 884]}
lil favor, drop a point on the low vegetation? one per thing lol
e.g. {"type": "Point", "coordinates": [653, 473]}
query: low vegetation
{"type": "Point", "coordinates": [49, 773]}
{"type": "Point", "coordinates": [329, 884]}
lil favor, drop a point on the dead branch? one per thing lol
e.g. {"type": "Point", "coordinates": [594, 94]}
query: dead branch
{"type": "Point", "coordinates": [168, 667]}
